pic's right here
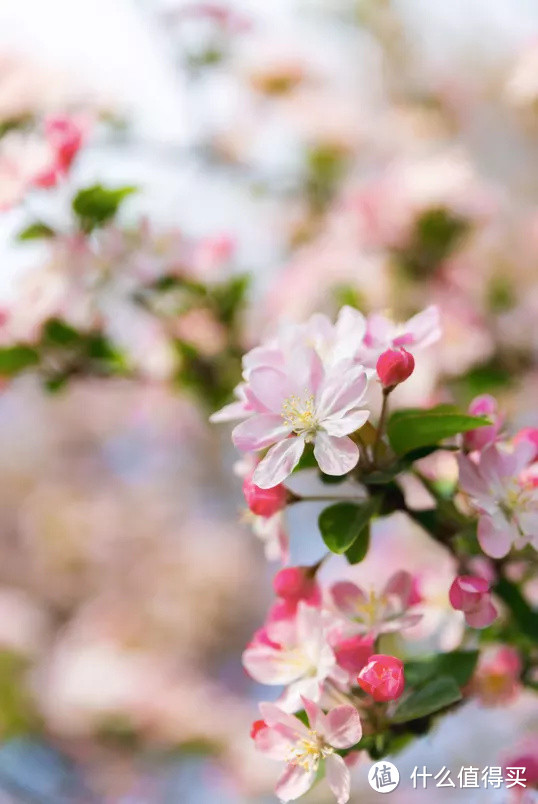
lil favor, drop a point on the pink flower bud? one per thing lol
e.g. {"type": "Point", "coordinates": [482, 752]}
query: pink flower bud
{"type": "Point", "coordinates": [352, 654]}
{"type": "Point", "coordinates": [383, 677]}
{"type": "Point", "coordinates": [394, 366]}
{"type": "Point", "coordinates": [256, 727]}
{"type": "Point", "coordinates": [264, 502]}
{"type": "Point", "coordinates": [65, 136]}
{"type": "Point", "coordinates": [484, 405]}
{"type": "Point", "coordinates": [297, 583]}
{"type": "Point", "coordinates": [471, 594]}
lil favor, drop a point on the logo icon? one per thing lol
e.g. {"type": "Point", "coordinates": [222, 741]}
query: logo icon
{"type": "Point", "coordinates": [383, 777]}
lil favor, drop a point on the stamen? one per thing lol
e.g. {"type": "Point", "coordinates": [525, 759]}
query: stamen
{"type": "Point", "coordinates": [299, 413]}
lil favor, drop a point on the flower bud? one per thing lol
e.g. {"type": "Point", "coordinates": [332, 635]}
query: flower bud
{"type": "Point", "coordinates": [264, 502]}
{"type": "Point", "coordinates": [383, 677]}
{"type": "Point", "coordinates": [471, 594]}
{"type": "Point", "coordinates": [394, 366]}
{"type": "Point", "coordinates": [352, 654]}
{"type": "Point", "coordinates": [483, 405]}
{"type": "Point", "coordinates": [256, 727]}
{"type": "Point", "coordinates": [297, 583]}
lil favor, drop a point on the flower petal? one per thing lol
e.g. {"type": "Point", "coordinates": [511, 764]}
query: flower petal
{"type": "Point", "coordinates": [348, 596]}
{"type": "Point", "coordinates": [335, 456]}
{"type": "Point", "coordinates": [338, 778]}
{"type": "Point", "coordinates": [270, 386]}
{"type": "Point", "coordinates": [259, 432]}
{"type": "Point", "coordinates": [294, 783]}
{"type": "Point", "coordinates": [495, 541]}
{"type": "Point", "coordinates": [279, 462]}
{"type": "Point", "coordinates": [346, 424]}
{"type": "Point", "coordinates": [342, 727]}
{"type": "Point", "coordinates": [482, 616]}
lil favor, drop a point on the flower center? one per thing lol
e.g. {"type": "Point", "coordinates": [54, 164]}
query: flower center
{"type": "Point", "coordinates": [299, 413]}
{"type": "Point", "coordinates": [308, 751]}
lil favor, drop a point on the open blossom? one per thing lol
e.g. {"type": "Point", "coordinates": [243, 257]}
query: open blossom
{"type": "Point", "coordinates": [376, 613]}
{"type": "Point", "coordinates": [383, 677]}
{"type": "Point", "coordinates": [496, 679]}
{"type": "Point", "coordinates": [471, 594]}
{"type": "Point", "coordinates": [503, 489]}
{"type": "Point", "coordinates": [284, 737]}
{"type": "Point", "coordinates": [294, 652]}
{"type": "Point", "coordinates": [419, 332]}
{"type": "Point", "coordinates": [299, 404]}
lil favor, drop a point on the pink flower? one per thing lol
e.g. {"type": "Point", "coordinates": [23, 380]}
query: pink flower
{"type": "Point", "coordinates": [496, 678]}
{"type": "Point", "coordinates": [484, 405]}
{"type": "Point", "coordinates": [394, 366]}
{"type": "Point", "coordinates": [376, 613]}
{"type": "Point", "coordinates": [383, 677]}
{"type": "Point", "coordinates": [420, 331]}
{"type": "Point", "coordinates": [305, 403]}
{"type": "Point", "coordinates": [504, 494]}
{"type": "Point", "coordinates": [65, 134]}
{"type": "Point", "coordinates": [298, 656]}
{"type": "Point", "coordinates": [470, 594]}
{"type": "Point", "coordinates": [297, 583]}
{"type": "Point", "coordinates": [264, 502]}
{"type": "Point", "coordinates": [528, 434]}
{"type": "Point", "coordinates": [353, 652]}
{"type": "Point", "coordinates": [285, 737]}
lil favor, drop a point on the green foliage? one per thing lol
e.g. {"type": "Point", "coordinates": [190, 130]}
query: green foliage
{"type": "Point", "coordinates": [36, 231]}
{"type": "Point", "coordinates": [437, 233]}
{"type": "Point", "coordinates": [345, 527]}
{"type": "Point", "coordinates": [14, 359]}
{"type": "Point", "coordinates": [230, 297]}
{"type": "Point", "coordinates": [16, 713]}
{"type": "Point", "coordinates": [436, 694]}
{"type": "Point", "coordinates": [97, 205]}
{"type": "Point", "coordinates": [458, 664]}
{"type": "Point", "coordinates": [414, 428]}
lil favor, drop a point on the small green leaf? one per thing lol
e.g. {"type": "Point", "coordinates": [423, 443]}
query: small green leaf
{"type": "Point", "coordinates": [16, 358]}
{"type": "Point", "coordinates": [35, 231]}
{"type": "Point", "coordinates": [358, 550]}
{"type": "Point", "coordinates": [59, 333]}
{"type": "Point", "coordinates": [341, 524]}
{"type": "Point", "coordinates": [97, 204]}
{"type": "Point", "coordinates": [411, 429]}
{"type": "Point", "coordinates": [434, 695]}
{"type": "Point", "coordinates": [458, 664]}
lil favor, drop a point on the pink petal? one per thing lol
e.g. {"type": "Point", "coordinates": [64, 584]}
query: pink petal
{"type": "Point", "coordinates": [277, 718]}
{"type": "Point", "coordinates": [273, 743]}
{"type": "Point", "coordinates": [482, 616]}
{"type": "Point", "coordinates": [342, 388]}
{"type": "Point", "coordinates": [401, 585]}
{"type": "Point", "coordinates": [348, 596]}
{"type": "Point", "coordinates": [346, 424]}
{"type": "Point", "coordinates": [424, 328]}
{"type": "Point", "coordinates": [342, 727]}
{"type": "Point", "coordinates": [338, 778]}
{"type": "Point", "coordinates": [294, 783]}
{"type": "Point", "coordinates": [259, 432]}
{"type": "Point", "coordinates": [494, 541]}
{"type": "Point", "coordinates": [335, 456]}
{"type": "Point", "coordinates": [279, 462]}
{"type": "Point", "coordinates": [469, 478]}
{"type": "Point", "coordinates": [313, 711]}
{"type": "Point", "coordinates": [270, 386]}
{"type": "Point", "coordinates": [269, 665]}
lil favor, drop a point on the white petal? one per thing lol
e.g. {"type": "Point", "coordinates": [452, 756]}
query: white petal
{"type": "Point", "coordinates": [259, 432]}
{"type": "Point", "coordinates": [270, 386]}
{"type": "Point", "coordinates": [338, 778]}
{"type": "Point", "coordinates": [294, 783]}
{"type": "Point", "coordinates": [335, 456]}
{"type": "Point", "coordinates": [279, 462]}
{"type": "Point", "coordinates": [346, 424]}
{"type": "Point", "coordinates": [342, 727]}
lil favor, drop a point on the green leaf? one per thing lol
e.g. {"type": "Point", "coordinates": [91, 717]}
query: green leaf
{"type": "Point", "coordinates": [458, 664]}
{"type": "Point", "coordinates": [358, 550]}
{"type": "Point", "coordinates": [16, 358]}
{"type": "Point", "coordinates": [230, 297]}
{"type": "Point", "coordinates": [59, 333]}
{"type": "Point", "coordinates": [97, 205]}
{"type": "Point", "coordinates": [408, 430]}
{"type": "Point", "coordinates": [343, 523]}
{"type": "Point", "coordinates": [35, 231]}
{"type": "Point", "coordinates": [436, 694]}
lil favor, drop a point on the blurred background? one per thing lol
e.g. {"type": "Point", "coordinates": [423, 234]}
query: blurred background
{"type": "Point", "coordinates": [380, 153]}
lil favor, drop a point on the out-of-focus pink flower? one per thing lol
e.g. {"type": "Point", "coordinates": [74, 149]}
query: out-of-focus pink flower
{"type": "Point", "coordinates": [376, 613]}
{"type": "Point", "coordinates": [303, 659]}
{"type": "Point", "coordinates": [496, 678]}
{"type": "Point", "coordinates": [504, 494]}
{"type": "Point", "coordinates": [528, 434]}
{"type": "Point", "coordinates": [470, 594]}
{"type": "Point", "coordinates": [419, 332]}
{"type": "Point", "coordinates": [524, 755]}
{"type": "Point", "coordinates": [264, 502]}
{"type": "Point", "coordinates": [484, 405]}
{"type": "Point", "coordinates": [66, 135]}
{"type": "Point", "coordinates": [383, 677]}
{"type": "Point", "coordinates": [394, 366]}
{"type": "Point", "coordinates": [303, 747]}
{"type": "Point", "coordinates": [352, 653]}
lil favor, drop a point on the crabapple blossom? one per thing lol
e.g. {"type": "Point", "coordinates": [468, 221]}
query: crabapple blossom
{"type": "Point", "coordinates": [419, 332]}
{"type": "Point", "coordinates": [285, 737]}
{"type": "Point", "coordinates": [295, 652]}
{"type": "Point", "coordinates": [502, 489]}
{"type": "Point", "coordinates": [394, 366]}
{"type": "Point", "coordinates": [470, 594]}
{"type": "Point", "coordinates": [376, 613]}
{"type": "Point", "coordinates": [496, 679]}
{"type": "Point", "coordinates": [304, 403]}
{"type": "Point", "coordinates": [383, 677]}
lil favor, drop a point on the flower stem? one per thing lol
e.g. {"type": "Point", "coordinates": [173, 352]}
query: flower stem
{"type": "Point", "coordinates": [381, 425]}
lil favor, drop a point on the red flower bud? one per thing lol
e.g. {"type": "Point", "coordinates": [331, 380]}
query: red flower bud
{"type": "Point", "coordinates": [295, 583]}
{"type": "Point", "coordinates": [383, 677]}
{"type": "Point", "coordinates": [264, 502]}
{"type": "Point", "coordinates": [256, 727]}
{"type": "Point", "coordinates": [394, 366]}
